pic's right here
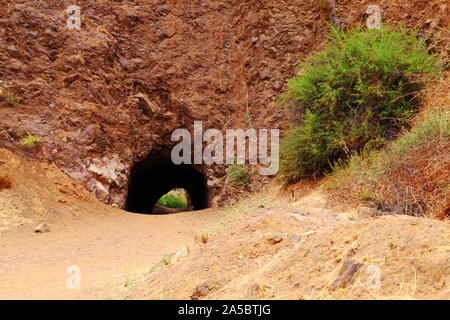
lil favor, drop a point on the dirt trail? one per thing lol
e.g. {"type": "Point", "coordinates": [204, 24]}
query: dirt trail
{"type": "Point", "coordinates": [110, 246]}
{"type": "Point", "coordinates": [110, 250]}
{"type": "Point", "coordinates": [270, 246]}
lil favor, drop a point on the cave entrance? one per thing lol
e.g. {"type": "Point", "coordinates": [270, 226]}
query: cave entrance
{"type": "Point", "coordinates": [155, 177]}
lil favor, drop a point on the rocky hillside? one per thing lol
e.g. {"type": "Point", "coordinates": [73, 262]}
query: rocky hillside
{"type": "Point", "coordinates": [109, 95]}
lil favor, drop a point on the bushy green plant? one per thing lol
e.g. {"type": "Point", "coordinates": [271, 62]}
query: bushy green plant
{"type": "Point", "coordinates": [30, 142]}
{"type": "Point", "coordinates": [240, 174]}
{"type": "Point", "coordinates": [355, 94]}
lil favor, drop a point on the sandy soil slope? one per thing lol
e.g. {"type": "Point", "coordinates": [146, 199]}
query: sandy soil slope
{"type": "Point", "coordinates": [301, 250]}
{"type": "Point", "coordinates": [270, 246]}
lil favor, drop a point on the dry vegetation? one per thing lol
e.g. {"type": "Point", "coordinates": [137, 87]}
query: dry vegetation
{"type": "Point", "coordinates": [412, 175]}
{"type": "Point", "coordinates": [6, 182]}
{"type": "Point", "coordinates": [297, 250]}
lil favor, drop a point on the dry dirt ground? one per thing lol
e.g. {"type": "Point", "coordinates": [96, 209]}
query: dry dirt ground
{"type": "Point", "coordinates": [303, 250]}
{"type": "Point", "coordinates": [110, 246]}
{"type": "Point", "coordinates": [269, 246]}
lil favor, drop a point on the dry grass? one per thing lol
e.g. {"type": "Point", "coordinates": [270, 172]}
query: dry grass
{"type": "Point", "coordinates": [324, 4]}
{"type": "Point", "coordinates": [6, 182]}
{"type": "Point", "coordinates": [9, 97]}
{"type": "Point", "coordinates": [411, 175]}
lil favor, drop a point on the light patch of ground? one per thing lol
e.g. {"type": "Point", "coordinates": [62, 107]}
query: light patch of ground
{"type": "Point", "coordinates": [11, 212]}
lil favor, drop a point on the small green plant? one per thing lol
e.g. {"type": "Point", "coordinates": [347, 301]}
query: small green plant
{"type": "Point", "coordinates": [174, 199]}
{"type": "Point", "coordinates": [166, 260]}
{"type": "Point", "coordinates": [240, 174]}
{"type": "Point", "coordinates": [10, 97]}
{"type": "Point", "coordinates": [30, 142]}
{"type": "Point", "coordinates": [354, 95]}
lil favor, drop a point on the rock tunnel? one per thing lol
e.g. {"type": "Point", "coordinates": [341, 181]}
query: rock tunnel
{"type": "Point", "coordinates": [152, 178]}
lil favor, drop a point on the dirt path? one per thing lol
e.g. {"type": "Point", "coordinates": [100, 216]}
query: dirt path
{"type": "Point", "coordinates": [110, 250]}
{"type": "Point", "coordinates": [270, 246]}
{"type": "Point", "coordinates": [110, 246]}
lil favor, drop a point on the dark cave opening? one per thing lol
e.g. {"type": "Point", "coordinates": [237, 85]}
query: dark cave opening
{"type": "Point", "coordinates": [153, 178]}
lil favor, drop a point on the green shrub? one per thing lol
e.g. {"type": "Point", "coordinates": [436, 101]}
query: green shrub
{"type": "Point", "coordinates": [30, 142]}
{"type": "Point", "coordinates": [173, 200]}
{"type": "Point", "coordinates": [240, 174]}
{"type": "Point", "coordinates": [355, 94]}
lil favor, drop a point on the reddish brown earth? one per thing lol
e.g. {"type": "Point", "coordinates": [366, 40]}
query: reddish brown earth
{"type": "Point", "coordinates": [108, 96]}
{"type": "Point", "coordinates": [111, 94]}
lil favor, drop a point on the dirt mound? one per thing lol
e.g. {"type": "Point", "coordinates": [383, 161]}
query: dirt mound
{"type": "Point", "coordinates": [111, 94]}
{"type": "Point", "coordinates": [41, 192]}
{"type": "Point", "coordinates": [301, 250]}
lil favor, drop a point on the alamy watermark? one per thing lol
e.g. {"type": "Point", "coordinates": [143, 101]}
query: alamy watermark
{"type": "Point", "coordinates": [220, 150]}
{"type": "Point", "coordinates": [74, 20]}
{"type": "Point", "coordinates": [73, 282]}
{"type": "Point", "coordinates": [374, 279]}
{"type": "Point", "coordinates": [374, 19]}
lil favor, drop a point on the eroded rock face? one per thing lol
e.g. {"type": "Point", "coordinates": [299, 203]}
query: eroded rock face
{"type": "Point", "coordinates": [109, 95]}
